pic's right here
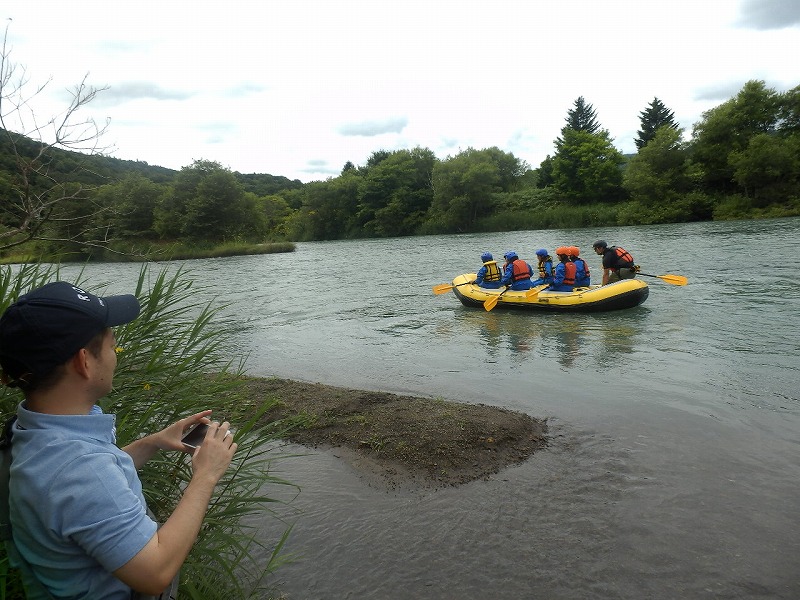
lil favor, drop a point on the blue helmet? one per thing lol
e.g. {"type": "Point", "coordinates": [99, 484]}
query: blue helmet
{"type": "Point", "coordinates": [541, 252]}
{"type": "Point", "coordinates": [510, 255]}
{"type": "Point", "coordinates": [486, 256]}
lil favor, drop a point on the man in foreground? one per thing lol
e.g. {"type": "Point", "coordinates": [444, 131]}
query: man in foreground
{"type": "Point", "coordinates": [77, 513]}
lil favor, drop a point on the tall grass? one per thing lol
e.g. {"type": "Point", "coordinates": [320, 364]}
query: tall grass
{"type": "Point", "coordinates": [142, 251]}
{"type": "Point", "coordinates": [551, 217]}
{"type": "Point", "coordinates": [173, 363]}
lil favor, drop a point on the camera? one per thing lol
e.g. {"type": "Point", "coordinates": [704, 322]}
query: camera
{"type": "Point", "coordinates": [195, 436]}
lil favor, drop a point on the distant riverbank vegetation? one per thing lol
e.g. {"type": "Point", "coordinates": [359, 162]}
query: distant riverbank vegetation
{"type": "Point", "coordinates": [61, 201]}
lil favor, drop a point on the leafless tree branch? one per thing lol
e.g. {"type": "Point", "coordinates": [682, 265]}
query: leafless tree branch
{"type": "Point", "coordinates": [36, 199]}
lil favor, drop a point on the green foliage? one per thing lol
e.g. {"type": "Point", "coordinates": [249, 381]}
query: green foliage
{"type": "Point", "coordinates": [693, 206]}
{"type": "Point", "coordinates": [527, 198]}
{"type": "Point", "coordinates": [131, 203]}
{"type": "Point", "coordinates": [659, 173]}
{"type": "Point", "coordinates": [545, 173]}
{"type": "Point", "coordinates": [728, 129]}
{"type": "Point", "coordinates": [328, 209]}
{"type": "Point", "coordinates": [751, 144]}
{"type": "Point", "coordinates": [396, 192]}
{"type": "Point", "coordinates": [557, 216]}
{"type": "Point", "coordinates": [586, 168]}
{"type": "Point", "coordinates": [582, 117]}
{"type": "Point", "coordinates": [768, 169]}
{"type": "Point", "coordinates": [262, 184]}
{"type": "Point", "coordinates": [464, 186]}
{"type": "Point", "coordinates": [173, 364]}
{"type": "Point", "coordinates": [376, 158]}
{"type": "Point", "coordinates": [274, 211]}
{"type": "Point", "coordinates": [738, 206]}
{"type": "Point", "coordinates": [747, 145]}
{"type": "Point", "coordinates": [653, 118]}
{"type": "Point", "coordinates": [207, 203]}
{"type": "Point", "coordinates": [789, 112]}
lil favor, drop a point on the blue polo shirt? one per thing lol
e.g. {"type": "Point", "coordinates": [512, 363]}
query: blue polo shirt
{"type": "Point", "coordinates": [76, 504]}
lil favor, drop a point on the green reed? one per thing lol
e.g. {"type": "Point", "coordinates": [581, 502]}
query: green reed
{"type": "Point", "coordinates": [175, 360]}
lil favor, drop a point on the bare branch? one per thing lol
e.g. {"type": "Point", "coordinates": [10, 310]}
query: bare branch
{"type": "Point", "coordinates": [38, 201]}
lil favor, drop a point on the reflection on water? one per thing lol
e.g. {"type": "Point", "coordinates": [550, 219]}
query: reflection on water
{"type": "Point", "coordinates": [567, 338]}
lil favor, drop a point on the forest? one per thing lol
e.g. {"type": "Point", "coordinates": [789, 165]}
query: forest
{"type": "Point", "coordinates": [740, 161]}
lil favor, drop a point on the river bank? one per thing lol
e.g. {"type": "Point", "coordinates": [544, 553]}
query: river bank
{"type": "Point", "coordinates": [404, 440]}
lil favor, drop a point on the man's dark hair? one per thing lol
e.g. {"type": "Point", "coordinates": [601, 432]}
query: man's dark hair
{"type": "Point", "coordinates": [15, 375]}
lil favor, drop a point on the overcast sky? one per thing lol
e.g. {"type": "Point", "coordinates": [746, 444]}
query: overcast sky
{"type": "Point", "coordinates": [299, 87]}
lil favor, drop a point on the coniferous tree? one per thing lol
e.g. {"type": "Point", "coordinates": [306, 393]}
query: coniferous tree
{"type": "Point", "coordinates": [583, 117]}
{"type": "Point", "coordinates": [654, 117]}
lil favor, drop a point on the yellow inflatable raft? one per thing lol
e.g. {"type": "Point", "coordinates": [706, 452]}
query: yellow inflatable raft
{"type": "Point", "coordinates": [614, 296]}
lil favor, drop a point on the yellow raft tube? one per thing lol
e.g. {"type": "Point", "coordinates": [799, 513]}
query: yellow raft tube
{"type": "Point", "coordinates": [614, 296]}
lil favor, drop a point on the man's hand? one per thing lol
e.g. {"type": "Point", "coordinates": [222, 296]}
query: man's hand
{"type": "Point", "coordinates": [212, 458]}
{"type": "Point", "coordinates": [152, 569]}
{"type": "Point", "coordinates": [169, 438]}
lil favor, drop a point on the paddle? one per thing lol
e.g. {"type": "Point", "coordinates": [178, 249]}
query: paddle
{"type": "Point", "coordinates": [443, 288]}
{"type": "Point", "coordinates": [669, 278]}
{"type": "Point", "coordinates": [492, 302]}
{"type": "Point", "coordinates": [533, 292]}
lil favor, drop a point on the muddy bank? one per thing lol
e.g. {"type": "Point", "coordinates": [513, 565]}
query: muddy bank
{"type": "Point", "coordinates": [404, 440]}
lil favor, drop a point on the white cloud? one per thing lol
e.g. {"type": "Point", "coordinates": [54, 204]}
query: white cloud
{"type": "Point", "coordinates": [373, 128]}
{"type": "Point", "coordinates": [300, 87]}
{"type": "Point", "coordinates": [770, 14]}
{"type": "Point", "coordinates": [124, 92]}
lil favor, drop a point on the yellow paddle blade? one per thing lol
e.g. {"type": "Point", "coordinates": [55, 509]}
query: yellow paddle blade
{"type": "Point", "coordinates": [442, 288]}
{"type": "Point", "coordinates": [492, 302]}
{"type": "Point", "coordinates": [533, 292]}
{"type": "Point", "coordinates": [674, 279]}
{"type": "Point", "coordinates": [669, 278]}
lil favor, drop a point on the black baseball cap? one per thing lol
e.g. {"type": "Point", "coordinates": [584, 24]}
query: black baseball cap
{"type": "Point", "coordinates": [48, 325]}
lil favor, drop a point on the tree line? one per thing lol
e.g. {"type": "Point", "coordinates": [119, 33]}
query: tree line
{"type": "Point", "coordinates": [742, 161]}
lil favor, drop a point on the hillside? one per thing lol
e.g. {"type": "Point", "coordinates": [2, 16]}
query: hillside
{"type": "Point", "coordinates": [99, 170]}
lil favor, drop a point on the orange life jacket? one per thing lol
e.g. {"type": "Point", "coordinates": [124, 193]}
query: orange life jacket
{"type": "Point", "coordinates": [623, 258]}
{"type": "Point", "coordinates": [520, 270]}
{"type": "Point", "coordinates": [569, 273]}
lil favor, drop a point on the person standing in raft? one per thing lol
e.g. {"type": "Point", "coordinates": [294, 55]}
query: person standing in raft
{"type": "Point", "coordinates": [517, 273]}
{"type": "Point", "coordinates": [545, 268]}
{"type": "Point", "coordinates": [581, 267]}
{"type": "Point", "coordinates": [564, 276]}
{"type": "Point", "coordinates": [489, 274]}
{"type": "Point", "coordinates": [617, 262]}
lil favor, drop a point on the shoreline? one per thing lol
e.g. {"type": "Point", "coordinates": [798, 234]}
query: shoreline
{"type": "Point", "coordinates": [403, 440]}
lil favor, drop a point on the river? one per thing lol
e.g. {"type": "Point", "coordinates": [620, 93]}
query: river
{"type": "Point", "coordinates": [673, 467]}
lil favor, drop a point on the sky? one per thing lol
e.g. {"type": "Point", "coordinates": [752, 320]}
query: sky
{"type": "Point", "coordinates": [300, 87]}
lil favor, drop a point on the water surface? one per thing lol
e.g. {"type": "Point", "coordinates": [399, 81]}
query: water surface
{"type": "Point", "coordinates": [673, 470]}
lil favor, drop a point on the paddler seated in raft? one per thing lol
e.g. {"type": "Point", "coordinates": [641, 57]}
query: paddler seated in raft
{"type": "Point", "coordinates": [582, 278]}
{"type": "Point", "coordinates": [564, 276]}
{"type": "Point", "coordinates": [517, 272]}
{"type": "Point", "coordinates": [617, 262]}
{"type": "Point", "coordinates": [545, 267]}
{"type": "Point", "coordinates": [489, 275]}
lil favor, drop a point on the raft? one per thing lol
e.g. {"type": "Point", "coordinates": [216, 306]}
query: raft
{"type": "Point", "coordinates": [614, 296]}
